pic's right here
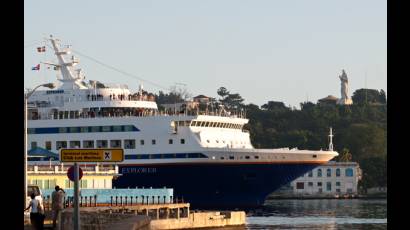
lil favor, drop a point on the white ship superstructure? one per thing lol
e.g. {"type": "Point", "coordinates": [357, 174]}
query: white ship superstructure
{"type": "Point", "coordinates": [96, 115]}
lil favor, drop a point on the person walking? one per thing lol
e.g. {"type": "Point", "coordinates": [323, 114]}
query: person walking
{"type": "Point", "coordinates": [57, 203]}
{"type": "Point", "coordinates": [36, 216]}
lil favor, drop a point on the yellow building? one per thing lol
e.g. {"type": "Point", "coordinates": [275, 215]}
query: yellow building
{"type": "Point", "coordinates": [48, 176]}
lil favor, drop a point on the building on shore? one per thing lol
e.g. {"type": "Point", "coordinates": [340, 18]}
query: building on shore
{"type": "Point", "coordinates": [334, 179]}
{"type": "Point", "coordinates": [94, 176]}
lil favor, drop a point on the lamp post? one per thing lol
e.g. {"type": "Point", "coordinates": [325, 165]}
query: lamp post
{"type": "Point", "coordinates": [26, 96]}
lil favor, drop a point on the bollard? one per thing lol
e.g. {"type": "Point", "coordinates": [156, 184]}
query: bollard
{"type": "Point", "coordinates": [171, 199]}
{"type": "Point", "coordinates": [121, 200]}
{"type": "Point", "coordinates": [85, 201]}
{"type": "Point", "coordinates": [153, 200]}
{"type": "Point", "coordinates": [111, 200]}
{"type": "Point", "coordinates": [81, 201]}
{"type": "Point", "coordinates": [136, 199]}
{"type": "Point", "coordinates": [126, 201]}
{"type": "Point", "coordinates": [116, 200]}
{"type": "Point", "coordinates": [91, 197]}
{"type": "Point", "coordinates": [131, 200]}
{"type": "Point", "coordinates": [142, 202]}
{"type": "Point", "coordinates": [164, 199]}
{"type": "Point", "coordinates": [95, 200]}
{"type": "Point", "coordinates": [158, 200]}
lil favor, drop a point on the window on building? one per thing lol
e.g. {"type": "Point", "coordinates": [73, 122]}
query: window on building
{"type": "Point", "coordinates": [153, 141]}
{"type": "Point", "coordinates": [319, 184]}
{"type": "Point", "coordinates": [33, 145]}
{"type": "Point", "coordinates": [338, 172]}
{"type": "Point", "coordinates": [337, 183]}
{"type": "Point", "coordinates": [102, 144]}
{"type": "Point", "coordinates": [328, 172]}
{"type": "Point", "coordinates": [88, 144]}
{"type": "Point", "coordinates": [182, 141]}
{"type": "Point", "coordinates": [75, 144]}
{"type": "Point", "coordinates": [61, 144]}
{"type": "Point", "coordinates": [48, 145]}
{"type": "Point", "coordinates": [129, 144]}
{"type": "Point", "coordinates": [142, 142]}
{"type": "Point", "coordinates": [319, 173]}
{"type": "Point", "coordinates": [349, 172]}
{"type": "Point", "coordinates": [170, 141]}
{"type": "Point", "coordinates": [338, 190]}
{"type": "Point", "coordinates": [117, 128]}
{"type": "Point", "coordinates": [320, 190]}
{"type": "Point", "coordinates": [84, 129]}
{"type": "Point", "coordinates": [106, 128]}
{"type": "Point", "coordinates": [310, 174]}
{"type": "Point", "coordinates": [349, 190]}
{"type": "Point", "coordinates": [83, 183]}
{"type": "Point", "coordinates": [115, 143]}
{"type": "Point", "coordinates": [328, 186]}
{"type": "Point", "coordinates": [300, 185]}
{"type": "Point", "coordinates": [310, 184]}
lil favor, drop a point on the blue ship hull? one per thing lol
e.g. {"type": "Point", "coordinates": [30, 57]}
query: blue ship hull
{"type": "Point", "coordinates": [214, 185]}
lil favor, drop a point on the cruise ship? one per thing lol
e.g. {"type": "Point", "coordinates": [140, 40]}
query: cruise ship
{"type": "Point", "coordinates": [207, 158]}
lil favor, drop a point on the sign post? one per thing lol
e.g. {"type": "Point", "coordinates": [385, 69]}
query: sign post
{"type": "Point", "coordinates": [86, 155]}
{"type": "Point", "coordinates": [76, 214]}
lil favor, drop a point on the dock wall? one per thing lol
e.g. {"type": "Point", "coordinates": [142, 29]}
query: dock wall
{"type": "Point", "coordinates": [202, 220]}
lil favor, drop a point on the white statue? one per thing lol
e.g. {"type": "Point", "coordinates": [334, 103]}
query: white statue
{"type": "Point", "coordinates": [344, 90]}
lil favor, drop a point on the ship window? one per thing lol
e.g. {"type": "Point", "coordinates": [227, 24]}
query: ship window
{"type": "Point", "coordinates": [222, 158]}
{"type": "Point", "coordinates": [170, 141]}
{"type": "Point", "coordinates": [106, 129]}
{"type": "Point", "coordinates": [84, 129]}
{"type": "Point", "coordinates": [117, 128]}
{"type": "Point", "coordinates": [75, 144]}
{"type": "Point", "coordinates": [128, 128]}
{"type": "Point", "coordinates": [142, 142]}
{"type": "Point", "coordinates": [247, 157]}
{"type": "Point", "coordinates": [310, 184]}
{"type": "Point", "coordinates": [61, 144]}
{"type": "Point", "coordinates": [203, 123]}
{"type": "Point", "coordinates": [207, 141]}
{"type": "Point", "coordinates": [129, 144]}
{"type": "Point", "coordinates": [95, 129]}
{"type": "Point", "coordinates": [182, 141]}
{"type": "Point", "coordinates": [319, 183]}
{"type": "Point", "coordinates": [48, 145]}
{"type": "Point", "coordinates": [216, 141]}
{"type": "Point", "coordinates": [88, 144]}
{"type": "Point", "coordinates": [193, 123]}
{"type": "Point", "coordinates": [314, 156]}
{"type": "Point", "coordinates": [62, 130]}
{"type": "Point", "coordinates": [33, 145]}
{"type": "Point", "coordinates": [102, 144]}
{"type": "Point", "coordinates": [115, 143]}
{"type": "Point", "coordinates": [256, 157]}
{"type": "Point", "coordinates": [153, 141]}
{"type": "Point", "coordinates": [231, 157]}
{"type": "Point", "coordinates": [74, 129]}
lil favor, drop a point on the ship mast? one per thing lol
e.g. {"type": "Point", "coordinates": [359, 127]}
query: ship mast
{"type": "Point", "coordinates": [71, 80]}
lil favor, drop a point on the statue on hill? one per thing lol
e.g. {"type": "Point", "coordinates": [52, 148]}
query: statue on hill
{"type": "Point", "coordinates": [344, 90]}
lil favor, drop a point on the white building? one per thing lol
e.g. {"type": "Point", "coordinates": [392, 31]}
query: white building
{"type": "Point", "coordinates": [331, 179]}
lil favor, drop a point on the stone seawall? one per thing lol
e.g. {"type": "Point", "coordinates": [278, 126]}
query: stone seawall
{"type": "Point", "coordinates": [202, 220]}
{"type": "Point", "coordinates": [100, 219]}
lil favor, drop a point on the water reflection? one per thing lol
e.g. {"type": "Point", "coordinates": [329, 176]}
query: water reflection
{"type": "Point", "coordinates": [319, 214]}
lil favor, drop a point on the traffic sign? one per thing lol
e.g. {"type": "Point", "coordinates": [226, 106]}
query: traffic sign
{"type": "Point", "coordinates": [70, 173]}
{"type": "Point", "coordinates": [91, 155]}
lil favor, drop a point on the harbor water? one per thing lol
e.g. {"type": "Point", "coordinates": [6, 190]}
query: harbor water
{"type": "Point", "coordinates": [320, 214]}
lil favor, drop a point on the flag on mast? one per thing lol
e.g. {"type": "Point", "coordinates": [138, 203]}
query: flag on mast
{"type": "Point", "coordinates": [37, 67]}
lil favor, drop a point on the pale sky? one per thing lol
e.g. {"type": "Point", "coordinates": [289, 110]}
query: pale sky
{"type": "Point", "coordinates": [264, 50]}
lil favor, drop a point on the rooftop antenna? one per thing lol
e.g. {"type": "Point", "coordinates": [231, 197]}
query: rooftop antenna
{"type": "Point", "coordinates": [330, 139]}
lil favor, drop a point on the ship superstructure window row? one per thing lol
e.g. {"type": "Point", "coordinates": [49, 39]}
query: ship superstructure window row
{"type": "Point", "coordinates": [211, 124]}
{"type": "Point", "coordinates": [84, 129]}
{"type": "Point", "coordinates": [164, 156]}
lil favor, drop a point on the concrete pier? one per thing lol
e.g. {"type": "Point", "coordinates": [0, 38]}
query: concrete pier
{"type": "Point", "coordinates": [154, 216]}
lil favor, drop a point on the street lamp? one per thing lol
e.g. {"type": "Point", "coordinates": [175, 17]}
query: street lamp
{"type": "Point", "coordinates": [26, 96]}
